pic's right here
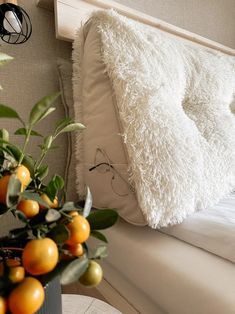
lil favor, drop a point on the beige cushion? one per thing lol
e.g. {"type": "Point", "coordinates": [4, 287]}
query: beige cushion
{"type": "Point", "coordinates": [176, 276]}
{"type": "Point", "coordinates": [95, 104]}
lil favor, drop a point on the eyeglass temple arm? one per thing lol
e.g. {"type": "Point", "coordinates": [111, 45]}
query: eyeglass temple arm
{"type": "Point", "coordinates": [102, 163]}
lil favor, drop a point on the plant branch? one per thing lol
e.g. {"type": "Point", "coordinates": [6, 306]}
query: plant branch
{"type": "Point", "coordinates": [27, 137]}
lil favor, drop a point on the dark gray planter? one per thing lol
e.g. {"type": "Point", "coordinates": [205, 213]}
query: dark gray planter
{"type": "Point", "coordinates": [52, 303]}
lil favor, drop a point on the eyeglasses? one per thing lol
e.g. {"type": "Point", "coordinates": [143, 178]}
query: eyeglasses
{"type": "Point", "coordinates": [106, 167]}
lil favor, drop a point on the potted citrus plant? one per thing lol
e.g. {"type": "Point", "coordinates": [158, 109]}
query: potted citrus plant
{"type": "Point", "coordinates": [51, 241]}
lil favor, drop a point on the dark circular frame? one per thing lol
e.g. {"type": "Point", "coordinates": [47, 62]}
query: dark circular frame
{"type": "Point", "coordinates": [24, 19]}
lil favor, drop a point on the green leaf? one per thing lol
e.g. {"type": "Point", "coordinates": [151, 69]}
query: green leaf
{"type": "Point", "coordinates": [42, 172]}
{"type": "Point", "coordinates": [74, 270]}
{"type": "Point", "coordinates": [101, 252]}
{"type": "Point", "coordinates": [55, 272]}
{"type": "Point", "coordinates": [72, 127]}
{"type": "Point", "coordinates": [47, 142]}
{"type": "Point", "coordinates": [2, 158]}
{"type": "Point", "coordinates": [6, 150]}
{"type": "Point", "coordinates": [102, 219]}
{"type": "Point", "coordinates": [56, 183]}
{"type": "Point", "coordinates": [20, 215]}
{"type": "Point", "coordinates": [51, 191]}
{"type": "Point", "coordinates": [88, 203]}
{"type": "Point", "coordinates": [54, 147]}
{"type": "Point", "coordinates": [3, 209]}
{"type": "Point", "coordinates": [28, 162]}
{"type": "Point", "coordinates": [38, 219]}
{"type": "Point", "coordinates": [13, 191]}
{"type": "Point", "coordinates": [15, 151]}
{"type": "Point", "coordinates": [59, 234]}
{"type": "Point", "coordinates": [40, 109]}
{"type": "Point", "coordinates": [4, 135]}
{"type": "Point", "coordinates": [18, 233]}
{"type": "Point", "coordinates": [68, 206]}
{"type": "Point", "coordinates": [62, 123]}
{"type": "Point", "coordinates": [4, 58]}
{"type": "Point", "coordinates": [24, 131]}
{"type": "Point", "coordinates": [7, 112]}
{"type": "Point", "coordinates": [33, 196]}
{"type": "Point", "coordinates": [52, 215]}
{"type": "Point", "coordinates": [98, 235]}
{"type": "Point", "coordinates": [49, 111]}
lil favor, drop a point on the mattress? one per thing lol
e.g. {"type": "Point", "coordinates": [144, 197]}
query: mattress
{"type": "Point", "coordinates": [212, 230]}
{"type": "Point", "coordinates": [168, 275]}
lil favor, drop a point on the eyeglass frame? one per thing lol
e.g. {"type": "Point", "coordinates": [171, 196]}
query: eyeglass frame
{"type": "Point", "coordinates": [112, 170]}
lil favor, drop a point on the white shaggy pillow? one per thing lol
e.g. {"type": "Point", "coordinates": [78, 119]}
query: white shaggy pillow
{"type": "Point", "coordinates": [175, 104]}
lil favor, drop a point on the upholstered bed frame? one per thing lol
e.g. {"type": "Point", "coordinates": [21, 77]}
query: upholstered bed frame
{"type": "Point", "coordinates": [162, 274]}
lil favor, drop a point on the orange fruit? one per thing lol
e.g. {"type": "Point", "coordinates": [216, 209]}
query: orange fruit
{"type": "Point", "coordinates": [40, 256]}
{"type": "Point", "coordinates": [3, 188]}
{"type": "Point", "coordinates": [73, 213]}
{"type": "Point", "coordinates": [16, 274]}
{"type": "Point", "coordinates": [3, 305]}
{"type": "Point", "coordinates": [27, 297]}
{"type": "Point", "coordinates": [76, 249]}
{"type": "Point", "coordinates": [79, 230]}
{"type": "Point", "coordinates": [10, 263]}
{"type": "Point", "coordinates": [29, 207]}
{"type": "Point", "coordinates": [50, 204]}
{"type": "Point", "coordinates": [23, 175]}
{"type": "Point", "coordinates": [92, 276]}
{"type": "Point", "coordinates": [65, 257]}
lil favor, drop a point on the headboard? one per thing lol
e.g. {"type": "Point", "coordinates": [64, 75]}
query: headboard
{"type": "Point", "coordinates": [69, 14]}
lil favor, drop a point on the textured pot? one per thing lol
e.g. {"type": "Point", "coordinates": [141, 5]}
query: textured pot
{"type": "Point", "coordinates": [52, 303]}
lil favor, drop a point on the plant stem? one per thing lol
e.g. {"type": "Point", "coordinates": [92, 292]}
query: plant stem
{"type": "Point", "coordinates": [25, 145]}
{"type": "Point", "coordinates": [66, 215]}
{"type": "Point", "coordinates": [43, 155]}
{"type": "Point", "coordinates": [12, 248]}
{"type": "Point", "coordinates": [40, 160]}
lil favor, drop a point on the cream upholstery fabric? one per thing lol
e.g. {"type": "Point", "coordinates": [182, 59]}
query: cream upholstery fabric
{"type": "Point", "coordinates": [175, 276]}
{"type": "Point", "coordinates": [95, 107]}
{"type": "Point", "coordinates": [104, 190]}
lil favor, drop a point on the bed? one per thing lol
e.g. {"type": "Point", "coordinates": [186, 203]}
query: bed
{"type": "Point", "coordinates": [187, 268]}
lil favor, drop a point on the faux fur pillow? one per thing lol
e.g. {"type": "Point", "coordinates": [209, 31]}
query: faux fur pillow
{"type": "Point", "coordinates": [175, 103]}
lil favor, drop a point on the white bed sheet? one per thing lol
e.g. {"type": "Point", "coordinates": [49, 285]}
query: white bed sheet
{"type": "Point", "coordinates": [212, 229]}
{"type": "Point", "coordinates": [177, 277]}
